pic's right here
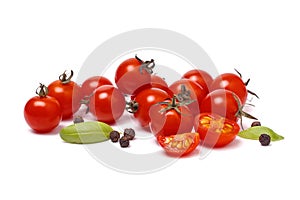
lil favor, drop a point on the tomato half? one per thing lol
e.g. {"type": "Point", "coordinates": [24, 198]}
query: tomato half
{"type": "Point", "coordinates": [179, 144]}
{"type": "Point", "coordinates": [131, 74]}
{"type": "Point", "coordinates": [201, 77]}
{"type": "Point", "coordinates": [42, 113]}
{"type": "Point", "coordinates": [231, 82]}
{"type": "Point", "coordinates": [214, 130]}
{"type": "Point", "coordinates": [144, 100]}
{"type": "Point", "coordinates": [169, 118]}
{"type": "Point", "coordinates": [185, 88]}
{"type": "Point", "coordinates": [222, 102]}
{"type": "Point", "coordinates": [107, 104]}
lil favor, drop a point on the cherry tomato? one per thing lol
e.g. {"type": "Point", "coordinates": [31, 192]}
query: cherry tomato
{"type": "Point", "coordinates": [180, 144]}
{"type": "Point", "coordinates": [169, 118]}
{"type": "Point", "coordinates": [64, 90]}
{"type": "Point", "coordinates": [90, 84]}
{"type": "Point", "coordinates": [201, 77]}
{"type": "Point", "coordinates": [222, 102]}
{"type": "Point", "coordinates": [233, 83]}
{"type": "Point", "coordinates": [133, 73]}
{"type": "Point", "coordinates": [214, 130]}
{"type": "Point", "coordinates": [155, 79]}
{"type": "Point", "coordinates": [107, 104]}
{"type": "Point", "coordinates": [141, 103]}
{"type": "Point", "coordinates": [42, 113]}
{"type": "Point", "coordinates": [186, 89]}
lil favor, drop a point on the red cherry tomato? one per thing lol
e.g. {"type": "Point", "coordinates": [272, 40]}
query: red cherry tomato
{"type": "Point", "coordinates": [64, 90]}
{"type": "Point", "coordinates": [222, 102]}
{"type": "Point", "coordinates": [214, 130]}
{"type": "Point", "coordinates": [133, 73]}
{"type": "Point", "coordinates": [180, 144]}
{"type": "Point", "coordinates": [169, 118]}
{"type": "Point", "coordinates": [184, 89]}
{"type": "Point", "coordinates": [233, 83]}
{"type": "Point", "coordinates": [201, 77]}
{"type": "Point", "coordinates": [107, 104]}
{"type": "Point", "coordinates": [42, 113]}
{"type": "Point", "coordinates": [141, 103]}
{"type": "Point", "coordinates": [90, 84]}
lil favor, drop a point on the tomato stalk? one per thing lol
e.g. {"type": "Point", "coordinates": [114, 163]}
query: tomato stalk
{"type": "Point", "coordinates": [246, 84]}
{"type": "Point", "coordinates": [42, 90]}
{"type": "Point", "coordinates": [132, 106]}
{"type": "Point", "coordinates": [147, 65]}
{"type": "Point", "coordinates": [64, 77]}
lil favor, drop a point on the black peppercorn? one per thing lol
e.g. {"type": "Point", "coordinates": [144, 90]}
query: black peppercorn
{"type": "Point", "coordinates": [124, 141]}
{"type": "Point", "coordinates": [78, 119]}
{"type": "Point", "coordinates": [114, 136]}
{"type": "Point", "coordinates": [255, 123]}
{"type": "Point", "coordinates": [264, 139]}
{"type": "Point", "coordinates": [129, 133]}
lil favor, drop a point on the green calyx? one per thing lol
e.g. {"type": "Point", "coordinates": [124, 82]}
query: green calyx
{"type": "Point", "coordinates": [42, 90]}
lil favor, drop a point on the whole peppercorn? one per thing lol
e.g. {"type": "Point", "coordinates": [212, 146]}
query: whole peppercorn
{"type": "Point", "coordinates": [124, 141]}
{"type": "Point", "coordinates": [255, 123]}
{"type": "Point", "coordinates": [264, 139]}
{"type": "Point", "coordinates": [129, 133]}
{"type": "Point", "coordinates": [114, 136]}
{"type": "Point", "coordinates": [77, 119]}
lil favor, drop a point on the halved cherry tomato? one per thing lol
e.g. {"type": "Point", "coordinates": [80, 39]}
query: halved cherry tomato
{"type": "Point", "coordinates": [179, 144]}
{"type": "Point", "coordinates": [214, 130]}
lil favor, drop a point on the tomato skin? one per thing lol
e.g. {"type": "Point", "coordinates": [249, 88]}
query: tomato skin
{"type": "Point", "coordinates": [201, 77]}
{"type": "Point", "coordinates": [214, 130]}
{"type": "Point", "coordinates": [145, 99]}
{"type": "Point", "coordinates": [155, 79]}
{"type": "Point", "coordinates": [107, 104]}
{"type": "Point", "coordinates": [221, 102]}
{"type": "Point", "coordinates": [65, 94]}
{"type": "Point", "coordinates": [170, 122]}
{"type": "Point", "coordinates": [197, 93]}
{"type": "Point", "coordinates": [128, 76]}
{"type": "Point", "coordinates": [91, 83]}
{"type": "Point", "coordinates": [179, 145]}
{"type": "Point", "coordinates": [233, 83]}
{"type": "Point", "coordinates": [42, 114]}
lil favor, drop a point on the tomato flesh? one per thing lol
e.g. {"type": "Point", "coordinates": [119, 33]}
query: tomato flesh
{"type": "Point", "coordinates": [179, 144]}
{"type": "Point", "coordinates": [214, 130]}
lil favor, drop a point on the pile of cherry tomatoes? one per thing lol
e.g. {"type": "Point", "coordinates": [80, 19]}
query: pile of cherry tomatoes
{"type": "Point", "coordinates": [209, 106]}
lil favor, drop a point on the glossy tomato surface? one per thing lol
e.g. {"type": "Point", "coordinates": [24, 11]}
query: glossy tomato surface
{"type": "Point", "coordinates": [203, 78]}
{"type": "Point", "coordinates": [42, 114]}
{"type": "Point", "coordinates": [107, 104]}
{"type": "Point", "coordinates": [180, 144]}
{"type": "Point", "coordinates": [233, 83]}
{"type": "Point", "coordinates": [214, 130]}
{"type": "Point", "coordinates": [144, 100]}
{"type": "Point", "coordinates": [92, 83]}
{"type": "Point", "coordinates": [222, 102]}
{"type": "Point", "coordinates": [192, 90]}
{"type": "Point", "coordinates": [168, 121]}
{"type": "Point", "coordinates": [129, 76]}
{"type": "Point", "coordinates": [65, 94]}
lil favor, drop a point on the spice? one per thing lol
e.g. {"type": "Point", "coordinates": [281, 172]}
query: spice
{"type": "Point", "coordinates": [264, 139]}
{"type": "Point", "coordinates": [255, 123]}
{"type": "Point", "coordinates": [114, 136]}
{"type": "Point", "coordinates": [129, 133]}
{"type": "Point", "coordinates": [124, 141]}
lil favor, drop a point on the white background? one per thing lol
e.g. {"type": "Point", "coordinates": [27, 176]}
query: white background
{"type": "Point", "coordinates": [38, 40]}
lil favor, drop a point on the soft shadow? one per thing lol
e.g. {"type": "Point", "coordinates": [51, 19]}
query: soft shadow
{"type": "Point", "coordinates": [55, 131]}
